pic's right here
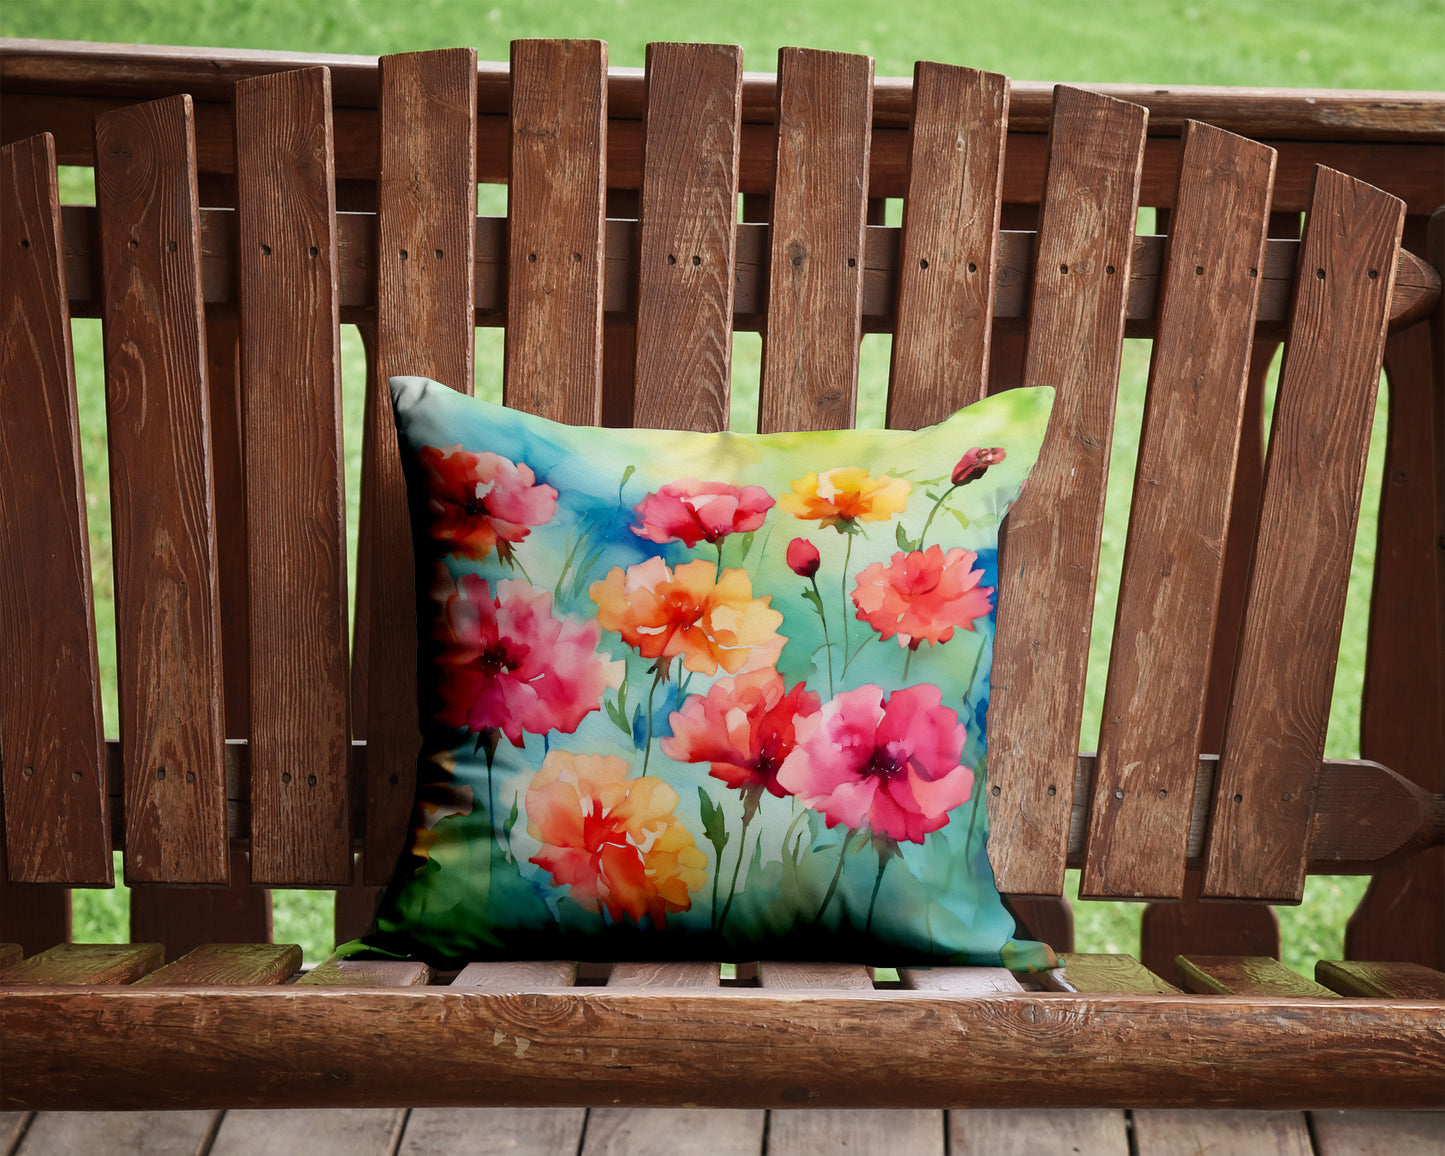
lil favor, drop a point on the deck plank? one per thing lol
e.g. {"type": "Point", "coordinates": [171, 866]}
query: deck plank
{"type": "Point", "coordinates": [1030, 1131]}
{"type": "Point", "coordinates": [674, 1132]}
{"type": "Point", "coordinates": [859, 1132]}
{"type": "Point", "coordinates": [1379, 1133]}
{"type": "Point", "coordinates": [515, 1131]}
{"type": "Point", "coordinates": [118, 1133]}
{"type": "Point", "coordinates": [315, 1131]}
{"type": "Point", "coordinates": [1169, 1132]}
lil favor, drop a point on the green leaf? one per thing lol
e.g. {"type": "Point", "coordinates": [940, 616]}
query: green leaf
{"type": "Point", "coordinates": [747, 540]}
{"type": "Point", "coordinates": [903, 540]}
{"type": "Point", "coordinates": [814, 597]}
{"type": "Point", "coordinates": [962, 518]}
{"type": "Point", "coordinates": [714, 826]}
{"type": "Point", "coordinates": [627, 473]}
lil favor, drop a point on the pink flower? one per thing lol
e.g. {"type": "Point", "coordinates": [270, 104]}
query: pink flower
{"type": "Point", "coordinates": [923, 595]}
{"type": "Point", "coordinates": [692, 511]}
{"type": "Point", "coordinates": [743, 726]}
{"type": "Point", "coordinates": [803, 558]}
{"type": "Point", "coordinates": [508, 663]}
{"type": "Point", "coordinates": [974, 464]}
{"type": "Point", "coordinates": [483, 501]}
{"type": "Point", "coordinates": [890, 767]}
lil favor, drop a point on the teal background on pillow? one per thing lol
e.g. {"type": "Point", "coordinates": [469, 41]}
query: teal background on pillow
{"type": "Point", "coordinates": [712, 696]}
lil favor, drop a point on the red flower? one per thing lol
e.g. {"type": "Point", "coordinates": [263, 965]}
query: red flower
{"type": "Point", "coordinates": [508, 663]}
{"type": "Point", "coordinates": [890, 767]}
{"type": "Point", "coordinates": [974, 464]}
{"type": "Point", "coordinates": [922, 595]}
{"type": "Point", "coordinates": [743, 726]}
{"type": "Point", "coordinates": [483, 501]}
{"type": "Point", "coordinates": [692, 512]}
{"type": "Point", "coordinates": [803, 558]}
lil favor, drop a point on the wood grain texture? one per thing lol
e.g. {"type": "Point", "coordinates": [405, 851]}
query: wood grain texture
{"type": "Point", "coordinates": [228, 963]}
{"type": "Point", "coordinates": [555, 206]}
{"type": "Point", "coordinates": [1383, 980]}
{"type": "Point", "coordinates": [426, 215]}
{"type": "Point", "coordinates": [868, 1133]}
{"type": "Point", "coordinates": [13, 1126]}
{"type": "Point", "coordinates": [1243, 975]}
{"type": "Point", "coordinates": [894, 1049]}
{"type": "Point", "coordinates": [334, 1132]}
{"type": "Point", "coordinates": [335, 972]}
{"type": "Point", "coordinates": [1032, 1131]}
{"type": "Point", "coordinates": [1170, 1132]}
{"type": "Point", "coordinates": [641, 975]}
{"type": "Point", "coordinates": [947, 267]}
{"type": "Point", "coordinates": [183, 918]}
{"type": "Point", "coordinates": [816, 258]}
{"type": "Point", "coordinates": [519, 976]}
{"type": "Point", "coordinates": [1344, 1133]}
{"type": "Point", "coordinates": [130, 1133]}
{"type": "Point", "coordinates": [959, 980]}
{"type": "Point", "coordinates": [515, 1131]}
{"type": "Point", "coordinates": [168, 633]}
{"type": "Point", "coordinates": [1097, 972]}
{"type": "Point", "coordinates": [1279, 709]}
{"type": "Point", "coordinates": [1153, 714]}
{"type": "Point", "coordinates": [85, 963]}
{"type": "Point", "coordinates": [814, 976]}
{"type": "Point", "coordinates": [1191, 925]}
{"type": "Point", "coordinates": [34, 915]}
{"type": "Point", "coordinates": [295, 500]}
{"type": "Point", "coordinates": [57, 824]}
{"type": "Point", "coordinates": [1049, 557]}
{"type": "Point", "coordinates": [674, 1132]}
{"type": "Point", "coordinates": [687, 237]}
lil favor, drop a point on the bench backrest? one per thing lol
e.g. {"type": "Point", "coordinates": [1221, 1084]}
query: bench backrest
{"type": "Point", "coordinates": [242, 699]}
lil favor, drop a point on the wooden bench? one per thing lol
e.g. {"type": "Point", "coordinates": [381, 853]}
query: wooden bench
{"type": "Point", "coordinates": [245, 207]}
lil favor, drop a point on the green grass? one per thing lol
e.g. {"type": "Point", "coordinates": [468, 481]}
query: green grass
{"type": "Point", "coordinates": [1323, 43]}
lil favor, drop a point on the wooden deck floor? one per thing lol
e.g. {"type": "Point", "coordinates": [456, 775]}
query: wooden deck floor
{"type": "Point", "coordinates": [696, 1132]}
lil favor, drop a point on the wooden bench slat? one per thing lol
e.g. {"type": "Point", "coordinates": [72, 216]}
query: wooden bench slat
{"type": "Point", "coordinates": [1279, 708]}
{"type": "Point", "coordinates": [1031, 1131]}
{"type": "Point", "coordinates": [1088, 972]}
{"type": "Point", "coordinates": [425, 255]}
{"type": "Point", "coordinates": [168, 645]}
{"type": "Point", "coordinates": [1243, 975]}
{"type": "Point", "coordinates": [555, 254]}
{"type": "Point", "coordinates": [1172, 1131]}
{"type": "Point", "coordinates": [948, 258]}
{"type": "Point", "coordinates": [85, 963]}
{"type": "Point", "coordinates": [687, 237]}
{"type": "Point", "coordinates": [300, 821]}
{"type": "Point", "coordinates": [228, 963]}
{"type": "Point", "coordinates": [10, 953]}
{"type": "Point", "coordinates": [518, 976]}
{"type": "Point", "coordinates": [664, 975]}
{"type": "Point", "coordinates": [1384, 980]}
{"type": "Point", "coordinates": [959, 980]}
{"type": "Point", "coordinates": [57, 827]}
{"type": "Point", "coordinates": [1153, 713]}
{"type": "Point", "coordinates": [1049, 556]}
{"type": "Point", "coordinates": [337, 972]}
{"type": "Point", "coordinates": [816, 260]}
{"type": "Point", "coordinates": [787, 974]}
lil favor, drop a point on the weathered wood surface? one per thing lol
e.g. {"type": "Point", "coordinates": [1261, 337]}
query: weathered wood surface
{"type": "Point", "coordinates": [816, 260]}
{"type": "Point", "coordinates": [298, 1046]}
{"type": "Point", "coordinates": [520, 976]}
{"type": "Point", "coordinates": [1384, 980]}
{"type": "Point", "coordinates": [1243, 975]}
{"type": "Point", "coordinates": [1344, 1133]}
{"type": "Point", "coordinates": [336, 972]}
{"type": "Point", "coordinates": [1097, 972]}
{"type": "Point", "coordinates": [687, 237]}
{"type": "Point", "coordinates": [873, 1133]}
{"type": "Point", "coordinates": [183, 918]}
{"type": "Point", "coordinates": [515, 1131]}
{"type": "Point", "coordinates": [50, 724]}
{"type": "Point", "coordinates": [120, 1133]}
{"type": "Point", "coordinates": [168, 634]}
{"type": "Point", "coordinates": [959, 980]}
{"type": "Point", "coordinates": [295, 498]}
{"type": "Point", "coordinates": [1049, 558]}
{"type": "Point", "coordinates": [333, 1132]}
{"type": "Point", "coordinates": [85, 964]}
{"type": "Point", "coordinates": [1034, 1131]}
{"type": "Point", "coordinates": [1176, 1131]}
{"type": "Point", "coordinates": [425, 227]}
{"type": "Point", "coordinates": [1153, 713]}
{"type": "Point", "coordinates": [948, 250]}
{"type": "Point", "coordinates": [228, 963]}
{"type": "Point", "coordinates": [555, 253]}
{"type": "Point", "coordinates": [1275, 732]}
{"type": "Point", "coordinates": [785, 975]}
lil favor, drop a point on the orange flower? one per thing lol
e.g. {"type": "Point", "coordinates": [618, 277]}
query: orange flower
{"type": "Point", "coordinates": [688, 611]}
{"type": "Point", "coordinates": [613, 840]}
{"type": "Point", "coordinates": [846, 494]}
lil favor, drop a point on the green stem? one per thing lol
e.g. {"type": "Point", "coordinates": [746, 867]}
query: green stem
{"type": "Point", "coordinates": [837, 874]}
{"type": "Point", "coordinates": [907, 662]}
{"type": "Point", "coordinates": [718, 544]}
{"type": "Point", "coordinates": [843, 586]}
{"type": "Point", "coordinates": [658, 676]}
{"type": "Point", "coordinates": [827, 642]}
{"type": "Point", "coordinates": [733, 886]}
{"type": "Point", "coordinates": [877, 883]}
{"type": "Point", "coordinates": [934, 513]}
{"type": "Point", "coordinates": [861, 647]}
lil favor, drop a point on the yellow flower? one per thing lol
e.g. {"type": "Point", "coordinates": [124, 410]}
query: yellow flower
{"type": "Point", "coordinates": [845, 494]}
{"type": "Point", "coordinates": [613, 840]}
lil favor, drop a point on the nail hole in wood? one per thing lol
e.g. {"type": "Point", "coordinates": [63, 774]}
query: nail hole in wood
{"type": "Point", "coordinates": [1254, 272]}
{"type": "Point", "coordinates": [190, 776]}
{"type": "Point", "coordinates": [532, 257]}
{"type": "Point", "coordinates": [1239, 798]}
{"type": "Point", "coordinates": [696, 260]}
{"type": "Point", "coordinates": [313, 251]}
{"type": "Point", "coordinates": [852, 262]}
{"type": "Point", "coordinates": [1319, 274]}
{"type": "Point", "coordinates": [995, 792]}
{"type": "Point", "coordinates": [28, 772]}
{"type": "Point", "coordinates": [404, 254]}
{"type": "Point", "coordinates": [577, 257]}
{"type": "Point", "coordinates": [1374, 273]}
{"type": "Point", "coordinates": [265, 250]}
{"type": "Point", "coordinates": [310, 780]}
{"type": "Point", "coordinates": [1053, 791]}
{"type": "Point", "coordinates": [1118, 793]}
{"type": "Point", "coordinates": [76, 775]}
{"type": "Point", "coordinates": [437, 253]}
{"type": "Point", "coordinates": [285, 776]}
{"type": "Point", "coordinates": [170, 246]}
{"type": "Point", "coordinates": [1109, 269]}
{"type": "Point", "coordinates": [923, 263]}
{"type": "Point", "coordinates": [1063, 268]}
{"type": "Point", "coordinates": [672, 259]}
{"type": "Point", "coordinates": [134, 244]}
{"type": "Point", "coordinates": [160, 774]}
{"type": "Point", "coordinates": [1199, 270]}
{"type": "Point", "coordinates": [1163, 794]}
{"type": "Point", "coordinates": [25, 242]}
{"type": "Point", "coordinates": [972, 268]}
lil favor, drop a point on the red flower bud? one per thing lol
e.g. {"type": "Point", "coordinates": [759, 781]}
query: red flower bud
{"type": "Point", "coordinates": [974, 464]}
{"type": "Point", "coordinates": [802, 557]}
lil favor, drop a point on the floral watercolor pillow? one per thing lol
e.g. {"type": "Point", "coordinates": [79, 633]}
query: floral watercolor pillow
{"type": "Point", "coordinates": [690, 696]}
